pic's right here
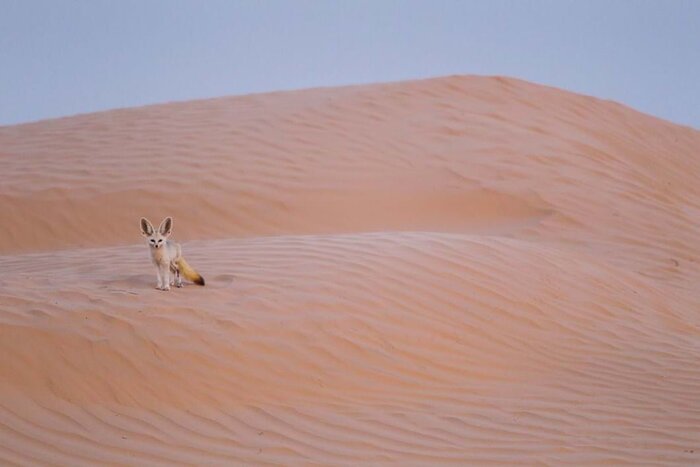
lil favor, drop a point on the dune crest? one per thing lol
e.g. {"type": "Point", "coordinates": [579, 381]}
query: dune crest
{"type": "Point", "coordinates": [447, 271]}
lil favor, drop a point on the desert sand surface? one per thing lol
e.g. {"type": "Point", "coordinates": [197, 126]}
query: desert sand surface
{"type": "Point", "coordinates": [461, 270]}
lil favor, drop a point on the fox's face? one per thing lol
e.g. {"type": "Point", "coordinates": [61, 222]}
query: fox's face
{"type": "Point", "coordinates": [157, 238]}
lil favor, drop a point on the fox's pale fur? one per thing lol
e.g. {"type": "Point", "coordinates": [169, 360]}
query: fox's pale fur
{"type": "Point", "coordinates": [167, 255]}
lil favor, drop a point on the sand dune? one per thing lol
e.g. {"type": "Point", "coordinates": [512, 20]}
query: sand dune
{"type": "Point", "coordinates": [449, 271]}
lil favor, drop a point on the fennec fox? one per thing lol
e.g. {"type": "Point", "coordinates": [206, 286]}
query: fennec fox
{"type": "Point", "coordinates": [167, 255]}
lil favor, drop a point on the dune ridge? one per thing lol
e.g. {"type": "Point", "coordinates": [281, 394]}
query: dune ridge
{"type": "Point", "coordinates": [448, 271]}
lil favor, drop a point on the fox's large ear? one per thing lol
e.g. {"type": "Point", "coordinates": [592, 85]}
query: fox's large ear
{"type": "Point", "coordinates": [146, 227]}
{"type": "Point", "coordinates": [166, 227]}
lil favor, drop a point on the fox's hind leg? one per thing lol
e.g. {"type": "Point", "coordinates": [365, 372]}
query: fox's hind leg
{"type": "Point", "coordinates": [176, 271]}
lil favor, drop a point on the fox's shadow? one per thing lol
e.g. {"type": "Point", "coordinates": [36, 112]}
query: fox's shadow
{"type": "Point", "coordinates": [135, 282]}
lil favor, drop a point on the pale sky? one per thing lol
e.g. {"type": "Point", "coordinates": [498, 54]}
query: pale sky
{"type": "Point", "coordinates": [63, 57]}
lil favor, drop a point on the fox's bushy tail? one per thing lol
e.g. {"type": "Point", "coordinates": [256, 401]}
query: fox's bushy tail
{"type": "Point", "coordinates": [189, 273]}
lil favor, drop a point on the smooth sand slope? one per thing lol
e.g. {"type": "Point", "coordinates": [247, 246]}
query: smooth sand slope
{"type": "Point", "coordinates": [457, 270]}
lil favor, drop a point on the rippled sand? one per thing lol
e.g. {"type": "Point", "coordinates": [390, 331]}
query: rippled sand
{"type": "Point", "coordinates": [456, 270]}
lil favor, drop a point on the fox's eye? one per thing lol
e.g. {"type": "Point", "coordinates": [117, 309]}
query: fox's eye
{"type": "Point", "coordinates": [160, 241]}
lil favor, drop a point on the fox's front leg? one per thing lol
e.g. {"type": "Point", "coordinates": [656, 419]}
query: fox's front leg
{"type": "Point", "coordinates": [160, 279]}
{"type": "Point", "coordinates": [165, 274]}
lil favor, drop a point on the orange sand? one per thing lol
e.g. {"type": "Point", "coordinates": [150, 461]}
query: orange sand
{"type": "Point", "coordinates": [449, 271]}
